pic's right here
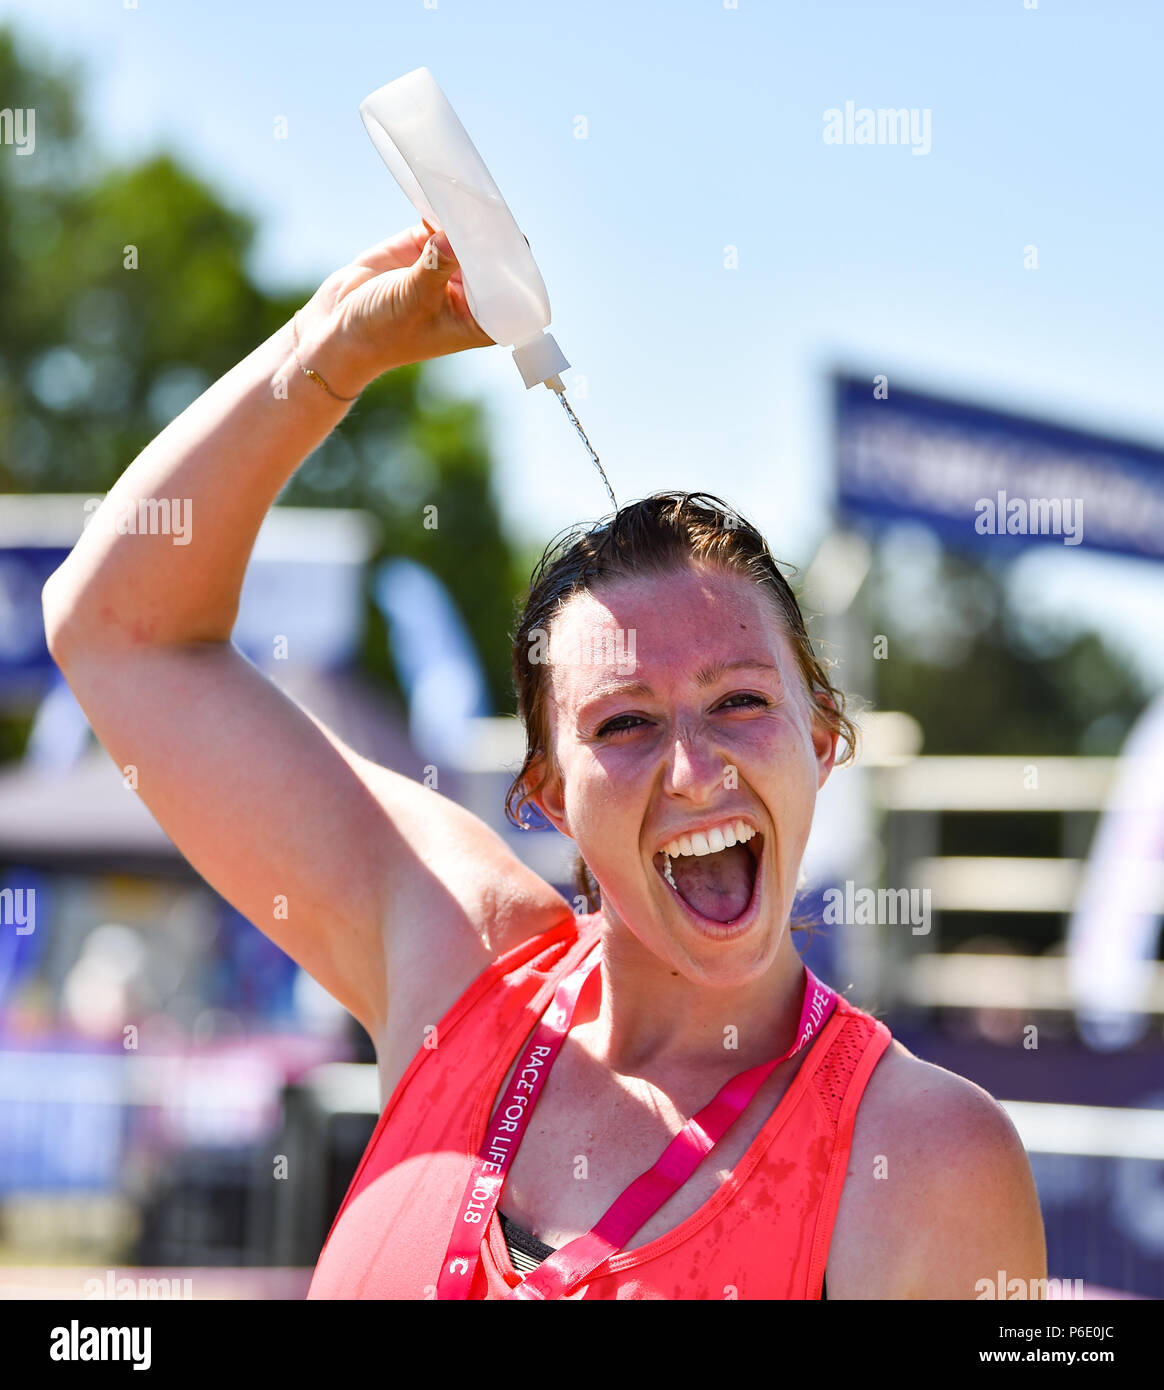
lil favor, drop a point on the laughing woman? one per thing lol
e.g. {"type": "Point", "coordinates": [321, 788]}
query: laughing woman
{"type": "Point", "coordinates": [654, 1099]}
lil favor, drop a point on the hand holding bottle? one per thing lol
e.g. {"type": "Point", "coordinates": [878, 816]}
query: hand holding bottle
{"type": "Point", "coordinates": [398, 302]}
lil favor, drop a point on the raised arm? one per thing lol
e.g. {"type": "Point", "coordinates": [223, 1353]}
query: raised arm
{"type": "Point", "coordinates": [341, 862]}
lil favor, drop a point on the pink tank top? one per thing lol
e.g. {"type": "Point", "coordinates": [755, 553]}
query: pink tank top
{"type": "Point", "coordinates": [763, 1235]}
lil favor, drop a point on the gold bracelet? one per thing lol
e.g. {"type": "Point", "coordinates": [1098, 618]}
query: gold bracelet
{"type": "Point", "coordinates": [307, 371]}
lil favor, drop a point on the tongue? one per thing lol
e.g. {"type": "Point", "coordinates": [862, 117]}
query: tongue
{"type": "Point", "coordinates": [717, 885]}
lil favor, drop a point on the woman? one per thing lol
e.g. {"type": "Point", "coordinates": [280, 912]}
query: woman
{"type": "Point", "coordinates": [679, 728]}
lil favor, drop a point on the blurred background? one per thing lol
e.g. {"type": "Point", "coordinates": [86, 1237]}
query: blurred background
{"type": "Point", "coordinates": [926, 367]}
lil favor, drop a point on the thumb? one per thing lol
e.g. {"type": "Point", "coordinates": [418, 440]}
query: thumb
{"type": "Point", "coordinates": [437, 261]}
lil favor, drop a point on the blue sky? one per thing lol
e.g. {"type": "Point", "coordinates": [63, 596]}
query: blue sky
{"type": "Point", "coordinates": [705, 129]}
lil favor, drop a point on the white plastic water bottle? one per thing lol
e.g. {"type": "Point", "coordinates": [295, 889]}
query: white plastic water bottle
{"type": "Point", "coordinates": [429, 154]}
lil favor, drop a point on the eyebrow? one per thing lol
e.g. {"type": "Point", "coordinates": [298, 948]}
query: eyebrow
{"type": "Point", "coordinates": [706, 675]}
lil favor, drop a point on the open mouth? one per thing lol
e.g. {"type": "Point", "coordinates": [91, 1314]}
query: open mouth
{"type": "Point", "coordinates": [719, 887]}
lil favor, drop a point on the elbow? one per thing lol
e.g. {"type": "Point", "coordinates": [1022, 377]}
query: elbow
{"type": "Point", "coordinates": [56, 607]}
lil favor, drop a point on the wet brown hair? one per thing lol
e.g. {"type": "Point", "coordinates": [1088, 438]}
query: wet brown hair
{"type": "Point", "coordinates": [657, 535]}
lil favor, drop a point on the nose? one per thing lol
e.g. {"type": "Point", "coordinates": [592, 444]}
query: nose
{"type": "Point", "coordinates": [694, 767]}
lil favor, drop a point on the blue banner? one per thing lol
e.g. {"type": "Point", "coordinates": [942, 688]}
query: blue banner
{"type": "Point", "coordinates": [984, 478]}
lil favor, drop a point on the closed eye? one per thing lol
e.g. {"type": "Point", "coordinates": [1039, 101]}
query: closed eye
{"type": "Point", "coordinates": [755, 699]}
{"type": "Point", "coordinates": [619, 725]}
{"type": "Point", "coordinates": [612, 726]}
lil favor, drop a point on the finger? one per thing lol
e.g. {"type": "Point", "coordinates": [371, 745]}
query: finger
{"type": "Point", "coordinates": [465, 320]}
{"type": "Point", "coordinates": [395, 252]}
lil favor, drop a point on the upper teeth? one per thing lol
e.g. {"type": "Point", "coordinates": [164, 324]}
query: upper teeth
{"type": "Point", "coordinates": [711, 841]}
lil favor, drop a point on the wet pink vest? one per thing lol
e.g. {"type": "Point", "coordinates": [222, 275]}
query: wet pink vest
{"type": "Point", "coordinates": [764, 1234]}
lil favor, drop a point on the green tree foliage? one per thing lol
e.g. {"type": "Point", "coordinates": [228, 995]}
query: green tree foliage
{"type": "Point", "coordinates": [983, 677]}
{"type": "Point", "coordinates": [96, 358]}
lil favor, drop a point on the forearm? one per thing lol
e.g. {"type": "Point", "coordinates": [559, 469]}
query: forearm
{"type": "Point", "coordinates": [218, 467]}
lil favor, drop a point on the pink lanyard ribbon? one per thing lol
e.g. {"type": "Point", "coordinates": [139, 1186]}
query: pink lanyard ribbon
{"type": "Point", "coordinates": [567, 1267]}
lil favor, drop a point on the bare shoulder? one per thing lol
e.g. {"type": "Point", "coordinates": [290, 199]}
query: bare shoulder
{"type": "Point", "coordinates": [939, 1193]}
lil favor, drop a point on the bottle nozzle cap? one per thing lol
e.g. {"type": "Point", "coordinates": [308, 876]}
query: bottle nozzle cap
{"type": "Point", "coordinates": [540, 359]}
